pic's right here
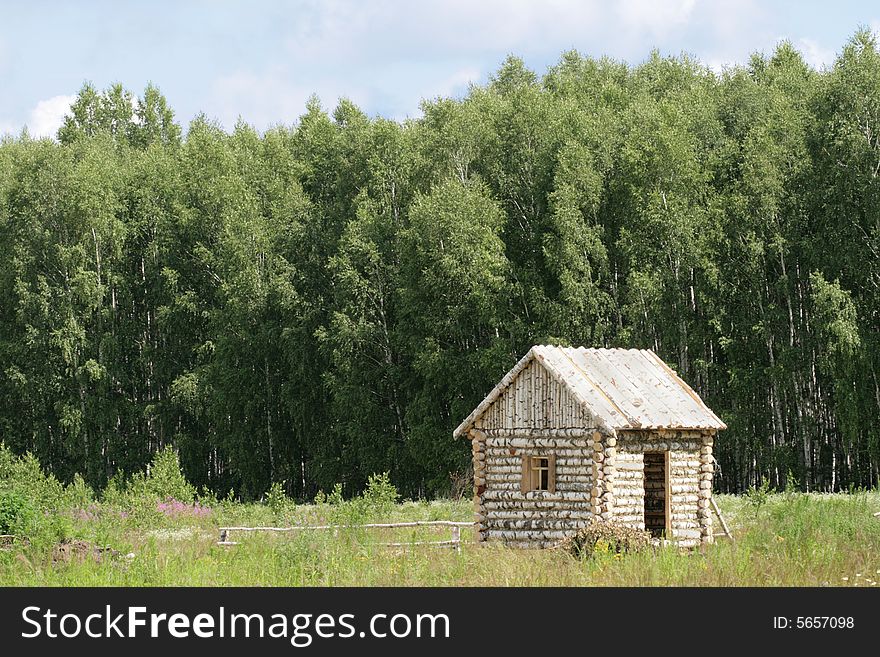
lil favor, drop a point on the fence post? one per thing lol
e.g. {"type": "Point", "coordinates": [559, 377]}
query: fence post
{"type": "Point", "coordinates": [223, 535]}
{"type": "Point", "coordinates": [456, 536]}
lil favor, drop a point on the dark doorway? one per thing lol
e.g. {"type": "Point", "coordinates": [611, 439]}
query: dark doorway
{"type": "Point", "coordinates": [655, 493]}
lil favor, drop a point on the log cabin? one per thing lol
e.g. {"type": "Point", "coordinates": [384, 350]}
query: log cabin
{"type": "Point", "coordinates": [570, 434]}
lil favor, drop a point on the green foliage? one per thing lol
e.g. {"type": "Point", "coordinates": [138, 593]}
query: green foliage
{"type": "Point", "coordinates": [163, 479]}
{"type": "Point", "coordinates": [276, 499]}
{"type": "Point", "coordinates": [757, 496]}
{"type": "Point", "coordinates": [376, 502]}
{"type": "Point", "coordinates": [324, 301]}
{"type": "Point", "coordinates": [797, 540]}
{"type": "Point", "coordinates": [380, 494]}
{"type": "Point", "coordinates": [333, 498]}
{"type": "Point", "coordinates": [78, 492]}
{"type": "Point", "coordinates": [835, 318]}
{"type": "Point", "coordinates": [16, 514]}
{"type": "Point", "coordinates": [792, 485]}
{"type": "Point", "coordinates": [23, 476]}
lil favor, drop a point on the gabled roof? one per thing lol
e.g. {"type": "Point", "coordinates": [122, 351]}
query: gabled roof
{"type": "Point", "coordinates": [621, 388]}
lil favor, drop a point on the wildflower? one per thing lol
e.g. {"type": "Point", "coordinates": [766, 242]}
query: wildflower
{"type": "Point", "coordinates": [175, 508]}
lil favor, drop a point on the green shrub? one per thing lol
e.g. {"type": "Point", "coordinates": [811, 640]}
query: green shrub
{"type": "Point", "coordinates": [17, 516]}
{"type": "Point", "coordinates": [377, 501]}
{"type": "Point", "coordinates": [757, 496]}
{"type": "Point", "coordinates": [114, 492]}
{"type": "Point", "coordinates": [48, 529]}
{"type": "Point", "coordinates": [380, 495]}
{"type": "Point", "coordinates": [601, 537]}
{"type": "Point", "coordinates": [164, 479]}
{"type": "Point", "coordinates": [276, 499]}
{"type": "Point", "coordinates": [333, 498]}
{"type": "Point", "coordinates": [25, 476]}
{"type": "Point", "coordinates": [78, 493]}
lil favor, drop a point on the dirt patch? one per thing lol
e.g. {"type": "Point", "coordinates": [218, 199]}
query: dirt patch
{"type": "Point", "coordinates": [8, 541]}
{"type": "Point", "coordinates": [80, 551]}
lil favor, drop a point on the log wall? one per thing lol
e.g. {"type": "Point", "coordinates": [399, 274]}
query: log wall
{"type": "Point", "coordinates": [536, 518]}
{"type": "Point", "coordinates": [689, 481]}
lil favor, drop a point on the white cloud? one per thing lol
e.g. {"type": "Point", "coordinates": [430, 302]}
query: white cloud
{"type": "Point", "coordinates": [392, 54]}
{"type": "Point", "coordinates": [275, 97]}
{"type": "Point", "coordinates": [43, 120]}
{"type": "Point", "coordinates": [48, 115]}
{"type": "Point", "coordinates": [656, 17]}
{"type": "Point", "coordinates": [719, 65]}
{"type": "Point", "coordinates": [387, 55]}
{"type": "Point", "coordinates": [814, 54]}
{"type": "Point", "coordinates": [453, 84]}
{"type": "Point", "coordinates": [341, 32]}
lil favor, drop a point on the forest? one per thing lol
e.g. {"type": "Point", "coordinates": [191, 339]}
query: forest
{"type": "Point", "coordinates": [325, 300]}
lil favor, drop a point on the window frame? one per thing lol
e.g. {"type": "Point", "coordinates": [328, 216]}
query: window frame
{"type": "Point", "coordinates": [532, 470]}
{"type": "Point", "coordinates": [539, 466]}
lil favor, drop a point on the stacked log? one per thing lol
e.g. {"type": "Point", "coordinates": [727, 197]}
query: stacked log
{"type": "Point", "coordinates": [629, 491]}
{"type": "Point", "coordinates": [537, 518]}
{"type": "Point", "coordinates": [689, 481]}
{"type": "Point", "coordinates": [707, 470]}
{"type": "Point", "coordinates": [479, 460]}
{"type": "Point", "coordinates": [596, 475]}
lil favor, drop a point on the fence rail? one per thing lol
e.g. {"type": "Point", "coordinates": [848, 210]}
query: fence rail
{"type": "Point", "coordinates": [454, 542]}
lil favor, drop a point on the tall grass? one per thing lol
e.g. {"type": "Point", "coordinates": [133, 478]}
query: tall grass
{"type": "Point", "coordinates": [790, 539]}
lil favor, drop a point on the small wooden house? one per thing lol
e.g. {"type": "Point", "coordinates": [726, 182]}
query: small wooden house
{"type": "Point", "coordinates": [571, 433]}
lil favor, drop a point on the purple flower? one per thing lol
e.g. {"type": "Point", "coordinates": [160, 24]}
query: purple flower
{"type": "Point", "coordinates": [175, 508]}
{"type": "Point", "coordinates": [85, 515]}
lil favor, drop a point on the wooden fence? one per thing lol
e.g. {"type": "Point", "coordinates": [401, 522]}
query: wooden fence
{"type": "Point", "coordinates": [454, 542]}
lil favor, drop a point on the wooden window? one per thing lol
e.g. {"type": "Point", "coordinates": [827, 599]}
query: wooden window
{"type": "Point", "coordinates": [539, 473]}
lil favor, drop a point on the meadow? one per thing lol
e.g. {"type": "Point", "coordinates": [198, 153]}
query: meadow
{"type": "Point", "coordinates": [156, 530]}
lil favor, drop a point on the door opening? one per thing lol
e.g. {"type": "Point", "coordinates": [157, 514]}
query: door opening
{"type": "Point", "coordinates": [656, 509]}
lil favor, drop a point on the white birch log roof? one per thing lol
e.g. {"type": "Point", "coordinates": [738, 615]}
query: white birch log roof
{"type": "Point", "coordinates": [621, 388]}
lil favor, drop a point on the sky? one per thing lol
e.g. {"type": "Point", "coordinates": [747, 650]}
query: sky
{"type": "Point", "coordinates": [261, 60]}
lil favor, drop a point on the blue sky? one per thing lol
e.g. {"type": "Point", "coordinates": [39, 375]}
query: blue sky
{"type": "Point", "coordinates": [262, 59]}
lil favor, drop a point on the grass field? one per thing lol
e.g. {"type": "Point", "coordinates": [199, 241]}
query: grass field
{"type": "Point", "coordinates": [782, 539]}
{"type": "Point", "coordinates": [802, 540]}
